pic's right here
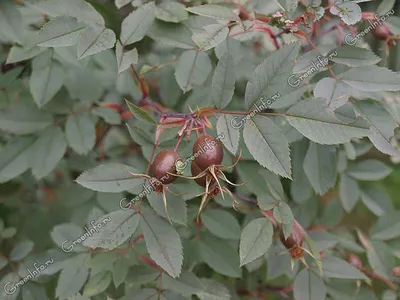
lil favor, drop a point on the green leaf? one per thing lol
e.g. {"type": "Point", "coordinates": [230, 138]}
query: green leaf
{"type": "Point", "coordinates": [21, 250]}
{"type": "Point", "coordinates": [14, 158]}
{"type": "Point", "coordinates": [387, 227]}
{"type": "Point", "coordinates": [110, 178]}
{"type": "Point", "coordinates": [163, 243]}
{"type": "Point", "coordinates": [334, 267]}
{"type": "Point", "coordinates": [273, 184]}
{"type": "Point", "coordinates": [231, 46]}
{"type": "Point", "coordinates": [176, 207]}
{"type": "Point", "coordinates": [382, 126]}
{"type": "Point", "coordinates": [140, 114]}
{"type": "Point", "coordinates": [385, 6]}
{"type": "Point", "coordinates": [193, 69]}
{"type": "Point", "coordinates": [335, 92]}
{"type": "Point", "coordinates": [73, 276]}
{"type": "Point", "coordinates": [223, 82]}
{"type": "Point", "coordinates": [311, 118]}
{"type": "Point", "coordinates": [95, 39]}
{"type": "Point", "coordinates": [79, 9]}
{"type": "Point", "coordinates": [32, 291]}
{"type": "Point", "coordinates": [60, 31]}
{"type": "Point", "coordinates": [211, 36]}
{"type": "Point", "coordinates": [65, 234]}
{"type": "Point", "coordinates": [377, 201]}
{"type": "Point", "coordinates": [109, 115]}
{"type": "Point", "coordinates": [8, 282]}
{"type": "Point", "coordinates": [48, 150]}
{"type": "Point", "coordinates": [308, 286]}
{"type": "Point", "coordinates": [81, 133]}
{"type": "Point", "coordinates": [283, 214]}
{"type": "Point", "coordinates": [371, 79]}
{"type": "Point", "coordinates": [171, 12]}
{"type": "Point", "coordinates": [300, 189]}
{"type": "Point", "coordinates": [213, 290]}
{"type": "Point", "coordinates": [221, 223]}
{"type": "Point", "coordinates": [26, 52]}
{"type": "Point", "coordinates": [354, 56]}
{"type": "Point", "coordinates": [120, 271]}
{"type": "Point", "coordinates": [369, 170]}
{"type": "Point", "coordinates": [97, 284]}
{"type": "Point", "coordinates": [121, 3]}
{"type": "Point", "coordinates": [214, 11]}
{"type": "Point", "coordinates": [349, 12]}
{"type": "Point", "coordinates": [318, 167]}
{"type": "Point", "coordinates": [231, 135]}
{"type": "Point", "coordinates": [23, 119]}
{"type": "Point", "coordinates": [125, 59]}
{"type": "Point", "coordinates": [136, 24]}
{"type": "Point", "coordinates": [118, 226]}
{"type": "Point", "coordinates": [255, 240]}
{"type": "Point", "coordinates": [11, 23]}
{"type": "Point", "coordinates": [270, 77]}
{"type": "Point", "coordinates": [268, 145]}
{"type": "Point", "coordinates": [220, 256]}
{"type": "Point", "coordinates": [46, 79]}
{"type": "Point", "coordinates": [187, 284]}
{"type": "Point", "coordinates": [349, 192]}
{"type": "Point", "coordinates": [174, 35]}
{"type": "Point", "coordinates": [380, 258]}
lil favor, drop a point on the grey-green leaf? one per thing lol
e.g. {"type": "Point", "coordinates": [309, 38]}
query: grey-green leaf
{"type": "Point", "coordinates": [270, 77]}
{"type": "Point", "coordinates": [255, 240]}
{"type": "Point", "coordinates": [221, 223]}
{"type": "Point", "coordinates": [95, 39]}
{"type": "Point", "coordinates": [231, 135]}
{"type": "Point", "coordinates": [174, 12]}
{"type": "Point", "coordinates": [371, 79]}
{"type": "Point", "coordinates": [97, 284]}
{"type": "Point", "coordinates": [111, 178]}
{"type": "Point", "coordinates": [48, 150]}
{"type": "Point", "coordinates": [24, 119]}
{"type": "Point", "coordinates": [268, 145]}
{"type": "Point", "coordinates": [193, 69]}
{"type": "Point", "coordinates": [318, 167]}
{"type": "Point", "coordinates": [223, 82]}
{"type": "Point", "coordinates": [211, 36]}
{"type": "Point", "coordinates": [11, 22]}
{"type": "Point", "coordinates": [354, 56]}
{"type": "Point", "coordinates": [46, 79]}
{"type": "Point", "coordinates": [334, 267]}
{"type": "Point", "coordinates": [79, 9]}
{"type": "Point", "coordinates": [81, 133]}
{"type": "Point", "coordinates": [163, 243]}
{"type": "Point", "coordinates": [60, 31]}
{"type": "Point", "coordinates": [214, 11]}
{"type": "Point", "coordinates": [308, 286]}
{"type": "Point", "coordinates": [125, 59]}
{"type": "Point", "coordinates": [117, 227]}
{"type": "Point", "coordinates": [73, 276]}
{"type": "Point", "coordinates": [369, 170]}
{"type": "Point", "coordinates": [312, 119]}
{"type": "Point", "coordinates": [137, 23]}
{"type": "Point", "coordinates": [349, 192]}
{"type": "Point", "coordinates": [21, 250]}
{"type": "Point", "coordinates": [219, 255]}
{"type": "Point", "coordinates": [14, 158]}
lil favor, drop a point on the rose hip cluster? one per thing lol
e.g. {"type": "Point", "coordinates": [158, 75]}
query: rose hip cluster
{"type": "Point", "coordinates": [206, 167]}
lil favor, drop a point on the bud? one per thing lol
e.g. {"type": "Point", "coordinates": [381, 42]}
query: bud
{"type": "Point", "coordinates": [354, 260]}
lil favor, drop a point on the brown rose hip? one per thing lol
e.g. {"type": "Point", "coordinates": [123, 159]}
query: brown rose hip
{"type": "Point", "coordinates": [163, 164]}
{"type": "Point", "coordinates": [208, 150]}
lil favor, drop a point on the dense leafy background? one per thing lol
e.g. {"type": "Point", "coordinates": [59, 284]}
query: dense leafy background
{"type": "Point", "coordinates": [321, 160]}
